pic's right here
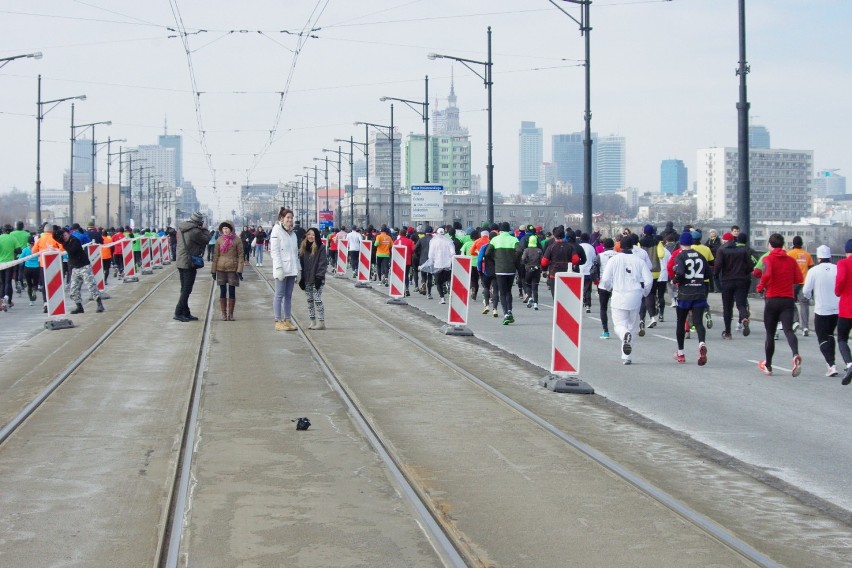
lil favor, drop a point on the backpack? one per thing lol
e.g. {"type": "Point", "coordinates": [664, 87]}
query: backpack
{"type": "Point", "coordinates": [595, 270]}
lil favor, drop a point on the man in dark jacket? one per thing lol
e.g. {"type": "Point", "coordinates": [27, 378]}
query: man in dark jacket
{"type": "Point", "coordinates": [733, 266]}
{"type": "Point", "coordinates": [191, 241]}
{"type": "Point", "coordinates": [81, 270]}
{"type": "Point", "coordinates": [562, 256]}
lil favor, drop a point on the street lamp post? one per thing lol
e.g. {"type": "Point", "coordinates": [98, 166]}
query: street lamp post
{"type": "Point", "coordinates": [120, 161]}
{"type": "Point", "coordinates": [109, 155]}
{"type": "Point", "coordinates": [71, 176]}
{"type": "Point", "coordinates": [39, 117]}
{"type": "Point", "coordinates": [486, 76]}
{"type": "Point", "coordinates": [424, 114]}
{"type": "Point", "coordinates": [351, 158]}
{"type": "Point", "coordinates": [743, 179]}
{"type": "Point", "coordinates": [339, 182]}
{"type": "Point", "coordinates": [390, 137]}
{"type": "Point", "coordinates": [5, 60]}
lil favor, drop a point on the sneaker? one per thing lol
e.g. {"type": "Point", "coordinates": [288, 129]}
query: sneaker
{"type": "Point", "coordinates": [511, 317]}
{"type": "Point", "coordinates": [776, 336]}
{"type": "Point", "coordinates": [702, 355]}
{"type": "Point", "coordinates": [680, 357]}
{"type": "Point", "coordinates": [805, 332]}
{"type": "Point", "coordinates": [847, 378]}
{"type": "Point", "coordinates": [767, 370]}
{"type": "Point", "coordinates": [674, 303]}
{"type": "Point", "coordinates": [529, 302]}
{"type": "Point", "coordinates": [428, 296]}
{"type": "Point", "coordinates": [653, 322]}
{"type": "Point", "coordinates": [605, 335]}
{"type": "Point", "coordinates": [641, 329]}
{"type": "Point", "coordinates": [486, 310]}
{"type": "Point", "coordinates": [796, 326]}
{"type": "Point", "coordinates": [495, 314]}
{"type": "Point", "coordinates": [626, 362]}
{"type": "Point", "coordinates": [407, 293]}
{"type": "Point", "coordinates": [181, 318]}
{"type": "Point", "coordinates": [588, 309]}
{"type": "Point", "coordinates": [443, 301]}
{"type": "Point", "coordinates": [279, 326]}
{"type": "Point", "coordinates": [739, 326]}
{"type": "Point", "coordinates": [626, 348]}
{"type": "Point", "coordinates": [660, 319]}
{"type": "Point", "coordinates": [527, 299]}
{"type": "Point", "coordinates": [535, 306]}
{"type": "Point", "coordinates": [708, 320]}
{"type": "Point", "coordinates": [506, 320]}
{"type": "Point", "coordinates": [832, 371]}
{"type": "Point", "coordinates": [726, 335]}
{"type": "Point", "coordinates": [747, 330]}
{"type": "Point", "coordinates": [797, 366]}
{"type": "Point", "coordinates": [32, 302]}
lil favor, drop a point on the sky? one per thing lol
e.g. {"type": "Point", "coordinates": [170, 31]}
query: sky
{"type": "Point", "coordinates": [257, 95]}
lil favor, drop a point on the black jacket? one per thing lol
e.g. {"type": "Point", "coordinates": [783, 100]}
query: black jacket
{"type": "Point", "coordinates": [734, 262]}
{"type": "Point", "coordinates": [77, 255]}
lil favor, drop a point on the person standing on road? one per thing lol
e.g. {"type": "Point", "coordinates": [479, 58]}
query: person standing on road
{"type": "Point", "coordinates": [81, 271]}
{"type": "Point", "coordinates": [805, 262]}
{"type": "Point", "coordinates": [628, 279]}
{"type": "Point", "coordinates": [284, 250]}
{"type": "Point", "coordinates": [227, 268]}
{"type": "Point", "coordinates": [690, 270]}
{"type": "Point", "coordinates": [733, 268]}
{"type": "Point", "coordinates": [313, 260]}
{"type": "Point", "coordinates": [503, 250]}
{"type": "Point", "coordinates": [383, 245]}
{"type": "Point", "coordinates": [192, 242]}
{"type": "Point", "coordinates": [353, 241]}
{"type": "Point", "coordinates": [843, 289]}
{"type": "Point", "coordinates": [819, 285]}
{"type": "Point", "coordinates": [780, 274]}
{"type": "Point", "coordinates": [441, 251]}
{"type": "Point", "coordinates": [260, 237]}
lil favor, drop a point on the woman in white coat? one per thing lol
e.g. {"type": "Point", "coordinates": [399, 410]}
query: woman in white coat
{"type": "Point", "coordinates": [284, 249]}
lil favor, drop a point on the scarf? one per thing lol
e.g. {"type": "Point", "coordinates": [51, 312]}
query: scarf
{"type": "Point", "coordinates": [227, 243]}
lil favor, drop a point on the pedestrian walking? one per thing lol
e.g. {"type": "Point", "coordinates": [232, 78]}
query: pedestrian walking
{"type": "Point", "coordinates": [260, 238]}
{"type": "Point", "coordinates": [191, 243]}
{"type": "Point", "coordinates": [780, 274]}
{"type": "Point", "coordinates": [284, 249]}
{"type": "Point", "coordinates": [227, 268]}
{"type": "Point", "coordinates": [313, 260]}
{"type": "Point", "coordinates": [81, 271]}
{"type": "Point", "coordinates": [628, 279]}
{"type": "Point", "coordinates": [819, 286]}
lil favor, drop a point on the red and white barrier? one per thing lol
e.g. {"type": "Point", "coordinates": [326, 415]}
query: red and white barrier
{"type": "Point", "coordinates": [146, 255]}
{"type": "Point", "coordinates": [396, 283]}
{"type": "Point", "coordinates": [129, 260]}
{"type": "Point", "coordinates": [166, 250]}
{"type": "Point", "coordinates": [156, 258]}
{"type": "Point", "coordinates": [457, 310]}
{"type": "Point", "coordinates": [566, 335]}
{"type": "Point", "coordinates": [54, 289]}
{"type": "Point", "coordinates": [365, 262]}
{"type": "Point", "coordinates": [96, 261]}
{"type": "Point", "coordinates": [342, 257]}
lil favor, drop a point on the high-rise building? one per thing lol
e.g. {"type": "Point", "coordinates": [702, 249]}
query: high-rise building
{"type": "Point", "coordinates": [673, 179]}
{"type": "Point", "coordinates": [611, 164]}
{"type": "Point", "coordinates": [780, 188]}
{"type": "Point", "coordinates": [758, 137]}
{"type": "Point", "coordinates": [547, 177]}
{"type": "Point", "coordinates": [175, 142]}
{"type": "Point", "coordinates": [380, 159]}
{"type": "Point", "coordinates": [160, 160]}
{"type": "Point", "coordinates": [449, 149]}
{"type": "Point", "coordinates": [567, 153]}
{"type": "Point", "coordinates": [828, 183]}
{"type": "Point", "coordinates": [83, 158]}
{"type": "Point", "coordinates": [415, 160]}
{"type": "Point", "coordinates": [359, 172]}
{"type": "Point", "coordinates": [529, 158]}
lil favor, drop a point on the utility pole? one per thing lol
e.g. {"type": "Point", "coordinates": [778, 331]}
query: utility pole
{"type": "Point", "coordinates": [743, 106]}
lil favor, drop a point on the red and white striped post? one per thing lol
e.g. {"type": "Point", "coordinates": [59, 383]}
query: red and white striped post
{"type": "Point", "coordinates": [342, 257]}
{"type": "Point", "coordinates": [156, 257]}
{"type": "Point", "coordinates": [566, 335]}
{"type": "Point", "coordinates": [459, 297]}
{"type": "Point", "coordinates": [95, 259]}
{"type": "Point", "coordinates": [166, 250]}
{"type": "Point", "coordinates": [396, 288]}
{"type": "Point", "coordinates": [146, 255]}
{"type": "Point", "coordinates": [54, 289]}
{"type": "Point", "coordinates": [129, 260]}
{"type": "Point", "coordinates": [365, 262]}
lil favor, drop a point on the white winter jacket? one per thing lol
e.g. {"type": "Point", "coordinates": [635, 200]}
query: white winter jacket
{"type": "Point", "coordinates": [628, 278]}
{"type": "Point", "coordinates": [284, 249]}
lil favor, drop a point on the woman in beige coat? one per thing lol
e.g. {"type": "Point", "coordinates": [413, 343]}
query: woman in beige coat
{"type": "Point", "coordinates": [227, 268]}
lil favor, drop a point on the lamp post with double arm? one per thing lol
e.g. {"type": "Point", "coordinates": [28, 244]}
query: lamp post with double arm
{"type": "Point", "coordinates": [424, 114]}
{"type": "Point", "coordinates": [351, 157]}
{"type": "Point", "coordinates": [74, 133]}
{"type": "Point", "coordinates": [390, 137]}
{"type": "Point", "coordinates": [486, 77]}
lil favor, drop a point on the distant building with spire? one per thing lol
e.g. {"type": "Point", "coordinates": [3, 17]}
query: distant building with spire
{"type": "Point", "coordinates": [174, 141]}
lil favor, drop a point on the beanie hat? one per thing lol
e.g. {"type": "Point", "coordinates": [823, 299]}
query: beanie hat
{"type": "Point", "coordinates": [197, 217]}
{"type": "Point", "coordinates": [824, 251]}
{"type": "Point", "coordinates": [649, 229]}
{"type": "Point", "coordinates": [428, 228]}
{"type": "Point", "coordinates": [742, 238]}
{"type": "Point", "coordinates": [696, 236]}
{"type": "Point", "coordinates": [848, 247]}
{"type": "Point", "coordinates": [686, 238]}
{"type": "Point", "coordinates": [440, 230]}
{"type": "Point", "coordinates": [483, 233]}
{"type": "Point", "coordinates": [728, 237]}
{"type": "Point", "coordinates": [626, 242]}
{"type": "Point", "coordinates": [533, 242]}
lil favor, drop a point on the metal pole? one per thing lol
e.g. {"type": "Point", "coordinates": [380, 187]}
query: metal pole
{"type": "Point", "coordinates": [38, 158]}
{"type": "Point", "coordinates": [351, 182]}
{"type": "Point", "coordinates": [587, 142]}
{"type": "Point", "coordinates": [339, 185]}
{"type": "Point", "coordinates": [392, 189]}
{"type": "Point", "coordinates": [94, 147]}
{"type": "Point", "coordinates": [367, 160]}
{"type": "Point", "coordinates": [140, 197]}
{"type": "Point", "coordinates": [426, 120]}
{"type": "Point", "coordinates": [71, 174]}
{"type": "Point", "coordinates": [106, 221]}
{"type": "Point", "coordinates": [326, 183]}
{"type": "Point", "coordinates": [119, 186]}
{"type": "Point", "coordinates": [743, 106]}
{"type": "Point", "coordinates": [489, 83]}
{"type": "Point", "coordinates": [129, 188]}
{"type": "Point", "coordinates": [148, 202]}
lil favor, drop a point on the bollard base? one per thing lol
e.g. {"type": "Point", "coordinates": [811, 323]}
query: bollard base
{"type": "Point", "coordinates": [131, 279]}
{"type": "Point", "coordinates": [340, 276]}
{"type": "Point", "coordinates": [397, 302]}
{"type": "Point", "coordinates": [147, 271]}
{"type": "Point", "coordinates": [105, 296]}
{"type": "Point", "coordinates": [58, 324]}
{"type": "Point", "coordinates": [448, 329]}
{"type": "Point", "coordinates": [572, 385]}
{"type": "Point", "coordinates": [363, 285]}
{"type": "Point", "coordinates": [158, 267]}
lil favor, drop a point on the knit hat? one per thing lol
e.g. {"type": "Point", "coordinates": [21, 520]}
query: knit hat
{"type": "Point", "coordinates": [484, 234]}
{"type": "Point", "coordinates": [686, 238]}
{"type": "Point", "coordinates": [742, 238]}
{"type": "Point", "coordinates": [824, 251]}
{"type": "Point", "coordinates": [197, 217]}
{"type": "Point", "coordinates": [728, 237]}
{"type": "Point", "coordinates": [440, 230]}
{"type": "Point", "coordinates": [226, 224]}
{"type": "Point", "coordinates": [696, 236]}
{"type": "Point", "coordinates": [848, 247]}
{"type": "Point", "coordinates": [428, 229]}
{"type": "Point", "coordinates": [649, 229]}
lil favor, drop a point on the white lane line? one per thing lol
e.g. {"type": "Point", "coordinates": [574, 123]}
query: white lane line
{"type": "Point", "coordinates": [774, 367]}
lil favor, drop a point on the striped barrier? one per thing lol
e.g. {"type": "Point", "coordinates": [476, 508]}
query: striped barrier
{"type": "Point", "coordinates": [54, 289]}
{"type": "Point", "coordinates": [129, 260]}
{"type": "Point", "coordinates": [156, 258]}
{"type": "Point", "coordinates": [146, 255]}
{"type": "Point", "coordinates": [166, 250]}
{"type": "Point", "coordinates": [566, 335]}
{"type": "Point", "coordinates": [396, 284]}
{"type": "Point", "coordinates": [96, 261]}
{"type": "Point", "coordinates": [459, 297]}
{"type": "Point", "coordinates": [365, 262]}
{"type": "Point", "coordinates": [342, 257]}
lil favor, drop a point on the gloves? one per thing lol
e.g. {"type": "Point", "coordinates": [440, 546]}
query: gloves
{"type": "Point", "coordinates": [278, 273]}
{"type": "Point", "coordinates": [214, 276]}
{"type": "Point", "coordinates": [240, 274]}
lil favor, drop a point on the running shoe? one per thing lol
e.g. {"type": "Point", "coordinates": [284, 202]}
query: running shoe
{"type": "Point", "coordinates": [832, 371]}
{"type": "Point", "coordinates": [739, 326]}
{"type": "Point", "coordinates": [797, 366]}
{"type": "Point", "coordinates": [511, 317]}
{"type": "Point", "coordinates": [726, 335]}
{"type": "Point", "coordinates": [847, 378]}
{"type": "Point", "coordinates": [495, 314]}
{"type": "Point", "coordinates": [428, 296]}
{"type": "Point", "coordinates": [626, 348]}
{"type": "Point", "coordinates": [767, 370]}
{"type": "Point", "coordinates": [486, 310]}
{"type": "Point", "coordinates": [747, 329]}
{"type": "Point", "coordinates": [796, 326]}
{"type": "Point", "coordinates": [626, 362]}
{"type": "Point", "coordinates": [660, 319]}
{"type": "Point", "coordinates": [529, 302]}
{"type": "Point", "coordinates": [680, 357]}
{"type": "Point", "coordinates": [506, 320]}
{"type": "Point", "coordinates": [605, 335]}
{"type": "Point", "coordinates": [702, 355]}
{"type": "Point", "coordinates": [641, 329]}
{"type": "Point", "coordinates": [535, 306]}
{"type": "Point", "coordinates": [708, 320]}
{"type": "Point", "coordinates": [653, 322]}
{"type": "Point", "coordinates": [805, 332]}
{"type": "Point", "coordinates": [443, 301]}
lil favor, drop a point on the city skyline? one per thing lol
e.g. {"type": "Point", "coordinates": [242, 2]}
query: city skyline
{"type": "Point", "coordinates": [662, 78]}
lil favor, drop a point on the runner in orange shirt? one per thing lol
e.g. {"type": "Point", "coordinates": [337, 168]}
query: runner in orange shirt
{"type": "Point", "coordinates": [805, 262]}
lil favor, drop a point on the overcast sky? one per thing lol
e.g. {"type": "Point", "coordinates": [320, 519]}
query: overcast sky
{"type": "Point", "coordinates": [663, 76]}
